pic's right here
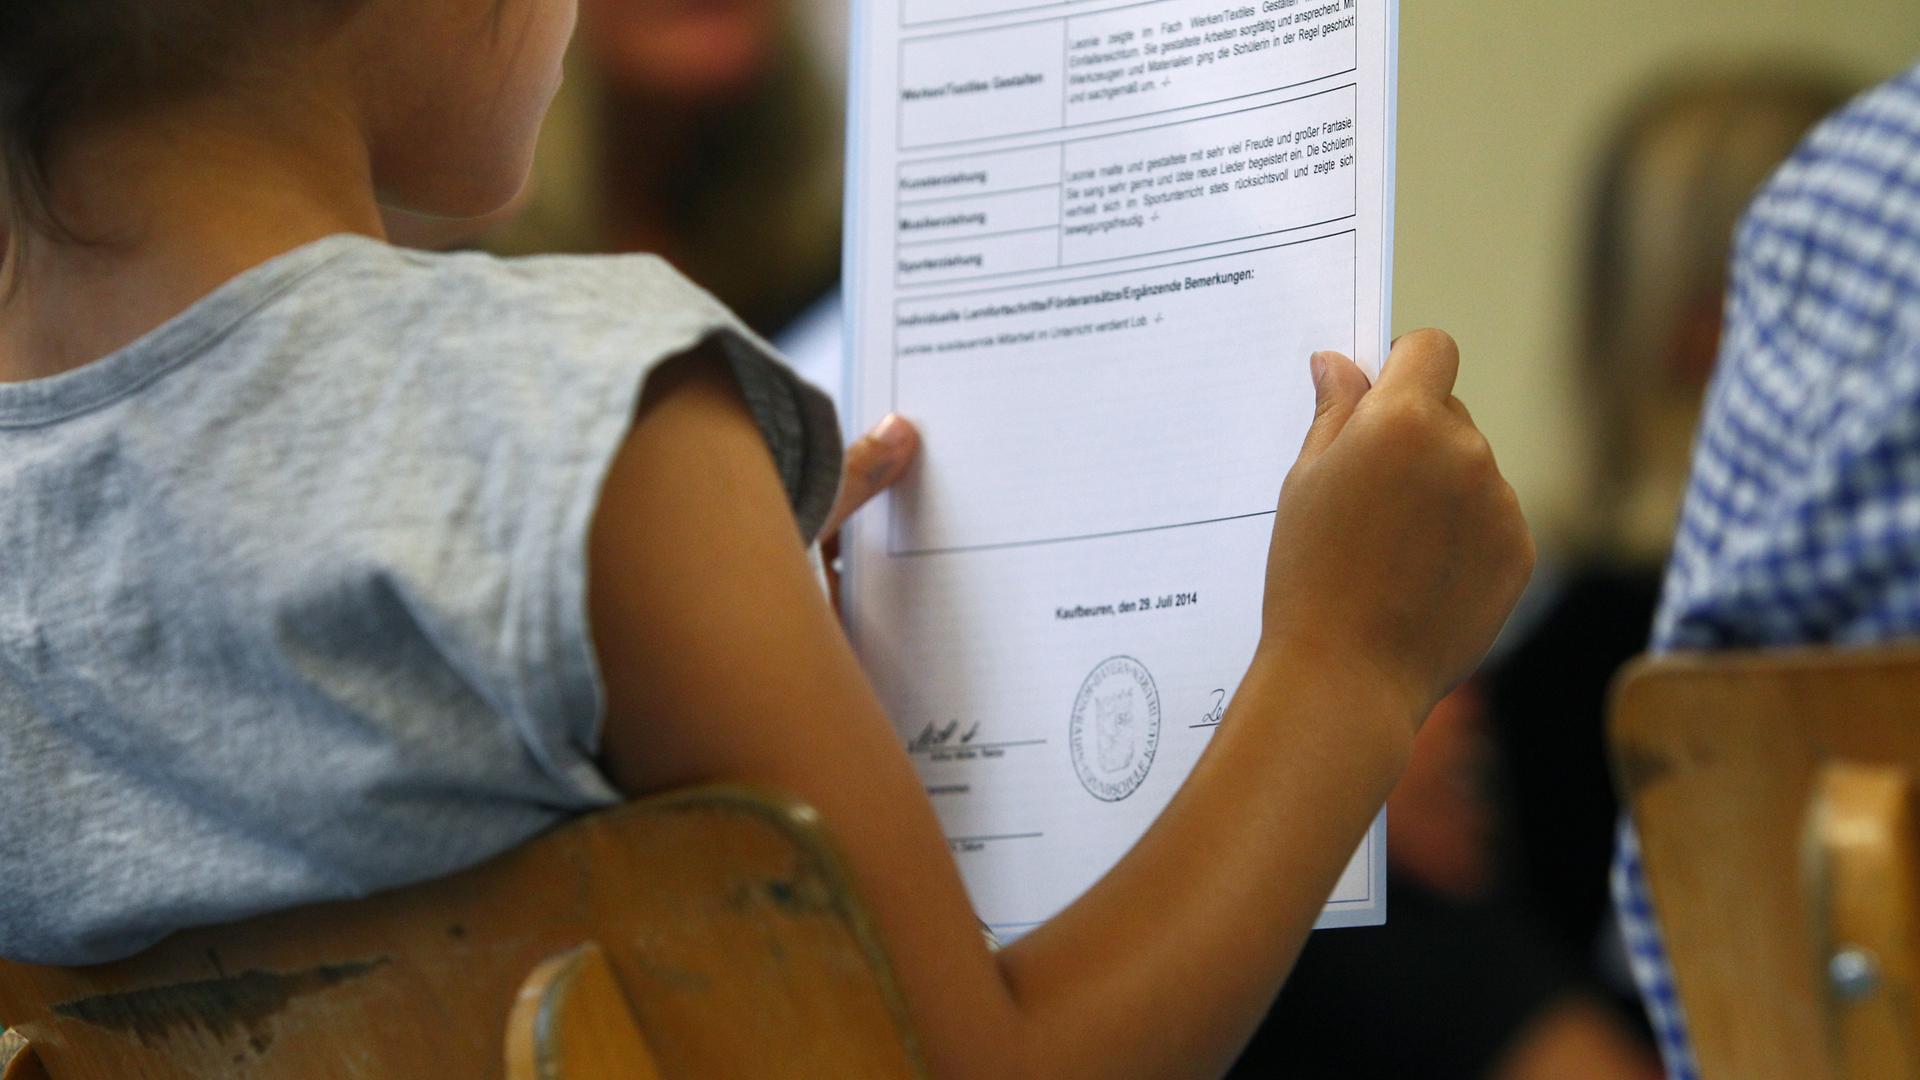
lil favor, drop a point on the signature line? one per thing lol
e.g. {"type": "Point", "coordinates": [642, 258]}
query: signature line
{"type": "Point", "coordinates": [976, 746]}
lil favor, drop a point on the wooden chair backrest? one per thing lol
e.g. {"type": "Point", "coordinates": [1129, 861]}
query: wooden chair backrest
{"type": "Point", "coordinates": [1774, 798]}
{"type": "Point", "coordinates": [700, 935]}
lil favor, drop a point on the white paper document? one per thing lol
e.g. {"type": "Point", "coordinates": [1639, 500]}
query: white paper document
{"type": "Point", "coordinates": [1092, 245]}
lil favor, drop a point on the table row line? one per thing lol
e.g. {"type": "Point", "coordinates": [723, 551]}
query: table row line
{"type": "Point", "coordinates": [1257, 171]}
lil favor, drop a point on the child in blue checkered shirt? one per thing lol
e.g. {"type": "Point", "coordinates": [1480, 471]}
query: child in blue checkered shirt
{"type": "Point", "coordinates": [1802, 518]}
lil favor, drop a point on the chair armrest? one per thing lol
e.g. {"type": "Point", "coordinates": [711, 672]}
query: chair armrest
{"type": "Point", "coordinates": [571, 1021]}
{"type": "Point", "coordinates": [1862, 889]}
{"type": "Point", "coordinates": [17, 1059]}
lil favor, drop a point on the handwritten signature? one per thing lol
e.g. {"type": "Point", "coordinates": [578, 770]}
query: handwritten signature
{"type": "Point", "coordinates": [933, 738]}
{"type": "Point", "coordinates": [1217, 713]}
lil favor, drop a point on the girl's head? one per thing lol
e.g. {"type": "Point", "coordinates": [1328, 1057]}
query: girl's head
{"type": "Point", "coordinates": [445, 95]}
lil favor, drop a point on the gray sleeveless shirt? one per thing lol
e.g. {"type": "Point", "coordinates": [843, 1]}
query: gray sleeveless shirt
{"type": "Point", "coordinates": [293, 589]}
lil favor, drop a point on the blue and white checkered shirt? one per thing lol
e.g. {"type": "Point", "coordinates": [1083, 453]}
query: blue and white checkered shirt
{"type": "Point", "coordinates": [1802, 523]}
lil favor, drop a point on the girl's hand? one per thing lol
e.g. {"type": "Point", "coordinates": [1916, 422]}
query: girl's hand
{"type": "Point", "coordinates": [1398, 550]}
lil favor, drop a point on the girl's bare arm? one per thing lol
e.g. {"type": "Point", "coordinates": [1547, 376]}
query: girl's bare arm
{"type": "Point", "coordinates": [1398, 551]}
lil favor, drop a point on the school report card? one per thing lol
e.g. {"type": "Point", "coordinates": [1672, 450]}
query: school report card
{"type": "Point", "coordinates": [1091, 246]}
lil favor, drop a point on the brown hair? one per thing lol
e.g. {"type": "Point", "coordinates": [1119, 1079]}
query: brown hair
{"type": "Point", "coordinates": [1673, 181]}
{"type": "Point", "coordinates": [1671, 185]}
{"type": "Point", "coordinates": [62, 61]}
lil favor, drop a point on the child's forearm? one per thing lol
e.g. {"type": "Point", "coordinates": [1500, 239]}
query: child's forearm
{"type": "Point", "coordinates": [1168, 964]}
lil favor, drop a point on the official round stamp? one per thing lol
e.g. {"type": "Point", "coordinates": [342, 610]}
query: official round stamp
{"type": "Point", "coordinates": [1115, 728]}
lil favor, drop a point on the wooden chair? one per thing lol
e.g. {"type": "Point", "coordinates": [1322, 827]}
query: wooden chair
{"type": "Point", "coordinates": [701, 935]}
{"type": "Point", "coordinates": [1774, 796]}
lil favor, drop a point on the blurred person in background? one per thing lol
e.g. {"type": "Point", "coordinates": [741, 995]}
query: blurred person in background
{"type": "Point", "coordinates": [1461, 983]}
{"type": "Point", "coordinates": [1799, 526]}
{"type": "Point", "coordinates": [703, 131]}
{"type": "Point", "coordinates": [1671, 186]}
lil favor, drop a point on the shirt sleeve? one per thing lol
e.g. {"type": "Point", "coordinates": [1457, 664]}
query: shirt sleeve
{"type": "Point", "coordinates": [1831, 552]}
{"type": "Point", "coordinates": [584, 401]}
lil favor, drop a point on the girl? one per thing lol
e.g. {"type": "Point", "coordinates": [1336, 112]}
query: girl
{"type": "Point", "coordinates": [330, 567]}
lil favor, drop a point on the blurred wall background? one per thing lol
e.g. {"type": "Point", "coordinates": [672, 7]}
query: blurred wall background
{"type": "Point", "coordinates": [1504, 108]}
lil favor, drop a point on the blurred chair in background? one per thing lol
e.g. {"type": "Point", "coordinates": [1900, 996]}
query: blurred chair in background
{"type": "Point", "coordinates": [1774, 795]}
